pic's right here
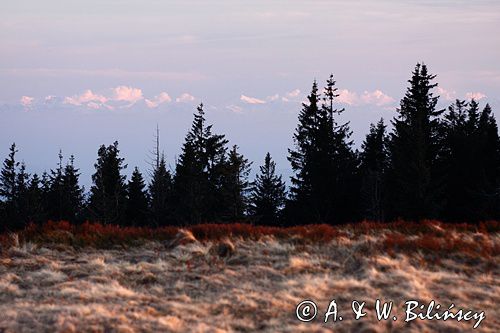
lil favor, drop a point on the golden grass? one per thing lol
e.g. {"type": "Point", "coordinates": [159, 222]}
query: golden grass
{"type": "Point", "coordinates": [94, 278]}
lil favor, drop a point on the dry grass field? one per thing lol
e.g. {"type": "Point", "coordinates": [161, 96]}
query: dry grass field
{"type": "Point", "coordinates": [239, 278]}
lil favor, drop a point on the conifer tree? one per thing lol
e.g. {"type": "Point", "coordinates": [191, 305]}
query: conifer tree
{"type": "Point", "coordinates": [236, 185]}
{"type": "Point", "coordinates": [8, 176]}
{"type": "Point", "coordinates": [108, 192]}
{"type": "Point", "coordinates": [21, 197]}
{"type": "Point", "coordinates": [190, 184]}
{"type": "Point", "coordinates": [268, 194]}
{"type": "Point", "coordinates": [374, 162]}
{"type": "Point", "coordinates": [56, 192]}
{"type": "Point", "coordinates": [191, 181]}
{"type": "Point", "coordinates": [460, 137]}
{"type": "Point", "coordinates": [8, 189]}
{"type": "Point", "coordinates": [415, 179]}
{"type": "Point", "coordinates": [471, 162]}
{"type": "Point", "coordinates": [304, 140]}
{"type": "Point", "coordinates": [35, 210]}
{"type": "Point", "coordinates": [325, 186]}
{"type": "Point", "coordinates": [64, 194]}
{"type": "Point", "coordinates": [488, 161]}
{"type": "Point", "coordinates": [342, 178]}
{"type": "Point", "coordinates": [137, 200]}
{"type": "Point", "coordinates": [198, 177]}
{"type": "Point", "coordinates": [73, 194]}
{"type": "Point", "coordinates": [45, 189]}
{"type": "Point", "coordinates": [215, 159]}
{"type": "Point", "coordinates": [160, 189]}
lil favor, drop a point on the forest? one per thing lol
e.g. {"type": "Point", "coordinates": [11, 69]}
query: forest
{"type": "Point", "coordinates": [425, 163]}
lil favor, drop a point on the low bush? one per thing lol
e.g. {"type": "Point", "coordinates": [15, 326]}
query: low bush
{"type": "Point", "coordinates": [426, 236]}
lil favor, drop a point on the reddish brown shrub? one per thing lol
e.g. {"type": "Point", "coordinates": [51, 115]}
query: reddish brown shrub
{"type": "Point", "coordinates": [428, 235]}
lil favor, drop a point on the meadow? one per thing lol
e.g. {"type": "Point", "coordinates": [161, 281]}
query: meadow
{"type": "Point", "coordinates": [242, 278]}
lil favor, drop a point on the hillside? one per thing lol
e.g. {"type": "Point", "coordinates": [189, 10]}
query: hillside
{"type": "Point", "coordinates": [243, 278]}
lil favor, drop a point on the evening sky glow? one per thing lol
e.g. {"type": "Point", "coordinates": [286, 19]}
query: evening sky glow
{"type": "Point", "coordinates": [83, 73]}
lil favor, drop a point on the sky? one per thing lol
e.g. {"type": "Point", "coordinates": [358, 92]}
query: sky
{"type": "Point", "coordinates": [78, 74]}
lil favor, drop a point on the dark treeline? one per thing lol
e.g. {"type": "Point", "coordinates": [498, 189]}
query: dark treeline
{"type": "Point", "coordinates": [436, 164]}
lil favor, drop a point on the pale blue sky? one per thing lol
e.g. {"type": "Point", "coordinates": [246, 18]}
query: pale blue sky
{"type": "Point", "coordinates": [116, 68]}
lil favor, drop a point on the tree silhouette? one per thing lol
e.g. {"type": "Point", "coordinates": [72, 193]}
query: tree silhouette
{"type": "Point", "coordinates": [108, 192]}
{"type": "Point", "coordinates": [342, 177]}
{"type": "Point", "coordinates": [374, 162]}
{"type": "Point", "coordinates": [8, 176]}
{"type": "Point", "coordinates": [488, 161]}
{"type": "Point", "coordinates": [415, 182]}
{"type": "Point", "coordinates": [8, 188]}
{"type": "Point", "coordinates": [137, 200]}
{"type": "Point", "coordinates": [304, 141]}
{"type": "Point", "coordinates": [21, 197]}
{"type": "Point", "coordinates": [73, 192]}
{"type": "Point", "coordinates": [45, 190]}
{"type": "Point", "coordinates": [35, 210]}
{"type": "Point", "coordinates": [268, 194]}
{"type": "Point", "coordinates": [199, 172]}
{"type": "Point", "coordinates": [459, 142]}
{"type": "Point", "coordinates": [236, 185]}
{"type": "Point", "coordinates": [160, 189]}
{"type": "Point", "coordinates": [471, 161]}
{"type": "Point", "coordinates": [434, 164]}
{"type": "Point", "coordinates": [65, 196]}
{"type": "Point", "coordinates": [325, 186]}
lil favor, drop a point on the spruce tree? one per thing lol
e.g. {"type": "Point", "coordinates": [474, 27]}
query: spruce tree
{"type": "Point", "coordinates": [108, 193]}
{"type": "Point", "coordinates": [137, 200]}
{"type": "Point", "coordinates": [8, 176]}
{"type": "Point", "coordinates": [488, 161]}
{"type": "Point", "coordinates": [45, 189]}
{"type": "Point", "coordinates": [35, 210]}
{"type": "Point", "coordinates": [236, 185]}
{"type": "Point", "coordinates": [191, 180]}
{"type": "Point", "coordinates": [160, 189]}
{"type": "Point", "coordinates": [304, 161]}
{"type": "Point", "coordinates": [471, 160]}
{"type": "Point", "coordinates": [64, 194]}
{"type": "Point", "coordinates": [325, 185]}
{"type": "Point", "coordinates": [8, 189]}
{"type": "Point", "coordinates": [268, 194]}
{"type": "Point", "coordinates": [342, 177]}
{"type": "Point", "coordinates": [21, 197]}
{"type": "Point", "coordinates": [304, 142]}
{"type": "Point", "coordinates": [415, 178]}
{"type": "Point", "coordinates": [374, 162]}
{"type": "Point", "coordinates": [214, 156]}
{"type": "Point", "coordinates": [460, 137]}
{"type": "Point", "coordinates": [73, 198]}
{"type": "Point", "coordinates": [189, 183]}
{"type": "Point", "coordinates": [199, 172]}
{"type": "Point", "coordinates": [56, 193]}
